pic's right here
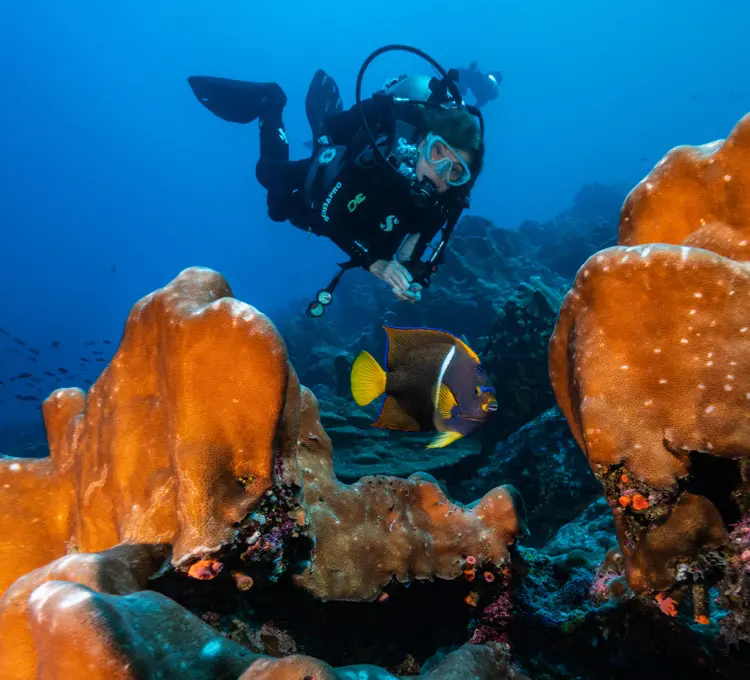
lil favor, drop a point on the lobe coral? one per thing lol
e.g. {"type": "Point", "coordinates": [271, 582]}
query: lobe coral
{"type": "Point", "coordinates": [650, 363]}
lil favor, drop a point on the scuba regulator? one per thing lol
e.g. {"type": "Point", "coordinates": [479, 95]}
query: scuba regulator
{"type": "Point", "coordinates": [443, 92]}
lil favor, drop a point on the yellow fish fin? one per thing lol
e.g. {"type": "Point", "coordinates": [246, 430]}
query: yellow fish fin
{"type": "Point", "coordinates": [468, 350]}
{"type": "Point", "coordinates": [367, 379]}
{"type": "Point", "coordinates": [443, 439]}
{"type": "Point", "coordinates": [393, 417]}
{"type": "Point", "coordinates": [446, 400]}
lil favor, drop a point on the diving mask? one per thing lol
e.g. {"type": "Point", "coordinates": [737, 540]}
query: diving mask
{"type": "Point", "coordinates": [446, 160]}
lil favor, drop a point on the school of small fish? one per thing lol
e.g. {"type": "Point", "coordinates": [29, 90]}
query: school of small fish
{"type": "Point", "coordinates": [29, 375]}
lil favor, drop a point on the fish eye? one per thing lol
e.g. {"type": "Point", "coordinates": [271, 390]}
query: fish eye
{"type": "Point", "coordinates": [477, 391]}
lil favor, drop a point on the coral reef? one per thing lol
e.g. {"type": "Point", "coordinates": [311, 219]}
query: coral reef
{"type": "Point", "coordinates": [579, 619]}
{"type": "Point", "coordinates": [197, 460]}
{"type": "Point", "coordinates": [176, 396]}
{"type": "Point", "coordinates": [650, 364]}
{"type": "Point", "coordinates": [542, 461]}
{"type": "Point", "coordinates": [408, 528]}
{"type": "Point", "coordinates": [514, 356]}
{"type": "Point", "coordinates": [87, 616]}
{"type": "Point", "coordinates": [339, 553]}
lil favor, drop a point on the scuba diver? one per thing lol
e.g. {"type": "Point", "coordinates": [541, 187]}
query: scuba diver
{"type": "Point", "coordinates": [484, 86]}
{"type": "Point", "coordinates": [384, 218]}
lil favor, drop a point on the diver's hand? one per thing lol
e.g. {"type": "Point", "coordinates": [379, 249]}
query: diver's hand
{"type": "Point", "coordinates": [411, 294]}
{"type": "Point", "coordinates": [398, 278]}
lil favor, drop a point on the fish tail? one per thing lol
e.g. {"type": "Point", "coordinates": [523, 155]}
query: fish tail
{"type": "Point", "coordinates": [368, 379]}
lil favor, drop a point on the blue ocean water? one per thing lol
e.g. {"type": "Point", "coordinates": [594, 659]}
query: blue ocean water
{"type": "Point", "coordinates": [113, 178]}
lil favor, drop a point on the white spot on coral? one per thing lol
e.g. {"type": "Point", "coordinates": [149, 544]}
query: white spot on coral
{"type": "Point", "coordinates": [727, 388]}
{"type": "Point", "coordinates": [648, 402]}
{"type": "Point", "coordinates": [730, 377]}
{"type": "Point", "coordinates": [649, 186]}
{"type": "Point", "coordinates": [709, 363]}
{"type": "Point", "coordinates": [710, 409]}
{"type": "Point", "coordinates": [743, 242]}
{"type": "Point", "coordinates": [692, 311]}
{"type": "Point", "coordinates": [701, 386]}
{"type": "Point", "coordinates": [683, 341]}
{"type": "Point", "coordinates": [727, 178]}
{"type": "Point", "coordinates": [14, 467]}
{"type": "Point", "coordinates": [211, 649]}
{"type": "Point", "coordinates": [657, 350]}
{"type": "Point", "coordinates": [698, 295]}
{"type": "Point", "coordinates": [624, 367]}
{"type": "Point", "coordinates": [743, 329]}
{"type": "Point", "coordinates": [663, 381]}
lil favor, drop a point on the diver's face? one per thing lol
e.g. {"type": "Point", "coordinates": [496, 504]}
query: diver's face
{"type": "Point", "coordinates": [431, 167]}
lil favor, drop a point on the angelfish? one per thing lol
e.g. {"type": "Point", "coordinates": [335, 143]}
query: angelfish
{"type": "Point", "coordinates": [433, 382]}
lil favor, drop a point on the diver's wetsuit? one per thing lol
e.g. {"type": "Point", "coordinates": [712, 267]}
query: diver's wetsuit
{"type": "Point", "coordinates": [357, 201]}
{"type": "Point", "coordinates": [484, 86]}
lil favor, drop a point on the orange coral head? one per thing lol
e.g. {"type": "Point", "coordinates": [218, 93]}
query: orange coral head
{"type": "Point", "coordinates": [625, 501]}
{"type": "Point", "coordinates": [471, 560]}
{"type": "Point", "coordinates": [243, 581]}
{"type": "Point", "coordinates": [639, 502]}
{"type": "Point", "coordinates": [667, 605]}
{"type": "Point", "coordinates": [472, 599]}
{"type": "Point", "coordinates": [703, 620]}
{"type": "Point", "coordinates": [205, 570]}
{"type": "Point", "coordinates": [469, 574]}
{"type": "Point", "coordinates": [489, 576]}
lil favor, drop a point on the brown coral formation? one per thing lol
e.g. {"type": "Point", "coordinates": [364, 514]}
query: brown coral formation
{"type": "Point", "coordinates": [406, 528]}
{"type": "Point", "coordinates": [172, 444]}
{"type": "Point", "coordinates": [86, 616]}
{"type": "Point", "coordinates": [173, 448]}
{"type": "Point", "coordinates": [650, 358]}
{"type": "Point", "coordinates": [118, 571]}
{"type": "Point", "coordinates": [696, 196]}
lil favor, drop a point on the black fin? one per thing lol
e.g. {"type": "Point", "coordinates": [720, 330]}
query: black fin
{"type": "Point", "coordinates": [323, 100]}
{"type": "Point", "coordinates": [236, 101]}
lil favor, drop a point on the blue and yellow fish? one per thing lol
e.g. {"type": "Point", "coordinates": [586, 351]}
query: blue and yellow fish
{"type": "Point", "coordinates": [433, 382]}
